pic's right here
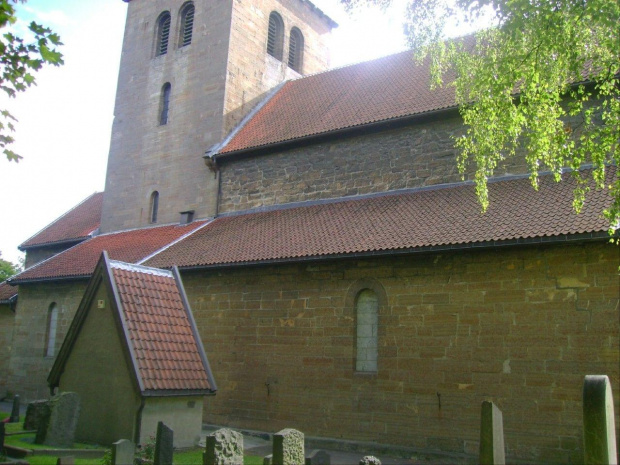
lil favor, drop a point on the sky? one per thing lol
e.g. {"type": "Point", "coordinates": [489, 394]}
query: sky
{"type": "Point", "coordinates": [64, 122]}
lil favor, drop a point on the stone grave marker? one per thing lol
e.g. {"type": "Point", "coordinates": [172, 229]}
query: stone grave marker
{"type": "Point", "coordinates": [318, 457]}
{"type": "Point", "coordinates": [370, 460]}
{"type": "Point", "coordinates": [288, 447]}
{"type": "Point", "coordinates": [491, 435]}
{"type": "Point", "coordinates": [69, 460]}
{"type": "Point", "coordinates": [163, 445]}
{"type": "Point", "coordinates": [14, 418]}
{"type": "Point", "coordinates": [267, 459]}
{"type": "Point", "coordinates": [2, 434]}
{"type": "Point", "coordinates": [36, 411]}
{"type": "Point", "coordinates": [599, 429]}
{"type": "Point", "coordinates": [224, 447]}
{"type": "Point", "coordinates": [57, 428]}
{"type": "Point", "coordinates": [123, 452]}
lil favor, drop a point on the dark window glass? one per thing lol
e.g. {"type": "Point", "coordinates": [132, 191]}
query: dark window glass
{"type": "Point", "coordinates": [165, 103]}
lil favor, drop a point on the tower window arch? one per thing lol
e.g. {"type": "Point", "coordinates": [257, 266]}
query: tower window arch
{"type": "Point", "coordinates": [296, 50]}
{"type": "Point", "coordinates": [163, 34]}
{"type": "Point", "coordinates": [187, 24]}
{"type": "Point", "coordinates": [154, 207]}
{"type": "Point", "coordinates": [164, 104]}
{"type": "Point", "coordinates": [52, 326]}
{"type": "Point", "coordinates": [275, 36]}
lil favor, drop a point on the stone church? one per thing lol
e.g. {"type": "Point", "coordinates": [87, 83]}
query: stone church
{"type": "Point", "coordinates": [340, 273]}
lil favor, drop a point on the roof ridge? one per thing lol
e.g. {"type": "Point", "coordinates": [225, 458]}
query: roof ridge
{"type": "Point", "coordinates": [119, 265]}
{"type": "Point", "coordinates": [170, 244]}
{"type": "Point", "coordinates": [166, 225]}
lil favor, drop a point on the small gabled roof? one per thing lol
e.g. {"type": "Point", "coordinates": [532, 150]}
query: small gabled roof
{"type": "Point", "coordinates": [8, 293]}
{"type": "Point", "coordinates": [157, 329]}
{"type": "Point", "coordinates": [436, 218]}
{"type": "Point", "coordinates": [381, 90]}
{"type": "Point", "coordinates": [75, 225]}
{"type": "Point", "coordinates": [130, 246]}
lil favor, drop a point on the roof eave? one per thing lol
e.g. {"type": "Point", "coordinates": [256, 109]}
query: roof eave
{"type": "Point", "coordinates": [73, 241]}
{"type": "Point", "coordinates": [16, 282]}
{"type": "Point", "coordinates": [177, 392]}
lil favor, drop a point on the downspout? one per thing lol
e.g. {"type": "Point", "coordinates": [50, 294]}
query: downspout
{"type": "Point", "coordinates": [138, 427]}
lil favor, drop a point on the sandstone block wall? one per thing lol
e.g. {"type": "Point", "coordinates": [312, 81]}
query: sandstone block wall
{"type": "Point", "coordinates": [7, 318]}
{"type": "Point", "coordinates": [520, 327]}
{"type": "Point", "coordinates": [29, 366]}
{"type": "Point", "coordinates": [415, 156]}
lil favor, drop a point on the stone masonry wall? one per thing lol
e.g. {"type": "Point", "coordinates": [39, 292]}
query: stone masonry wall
{"type": "Point", "coordinates": [29, 366]}
{"type": "Point", "coordinates": [7, 317]}
{"type": "Point", "coordinates": [519, 326]}
{"type": "Point", "coordinates": [415, 156]}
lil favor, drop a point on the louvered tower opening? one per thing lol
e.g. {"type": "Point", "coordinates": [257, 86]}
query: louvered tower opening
{"type": "Point", "coordinates": [187, 24]}
{"type": "Point", "coordinates": [163, 35]}
{"type": "Point", "coordinates": [296, 50]}
{"type": "Point", "coordinates": [275, 36]}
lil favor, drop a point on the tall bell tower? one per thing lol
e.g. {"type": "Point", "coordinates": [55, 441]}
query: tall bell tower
{"type": "Point", "coordinates": [189, 72]}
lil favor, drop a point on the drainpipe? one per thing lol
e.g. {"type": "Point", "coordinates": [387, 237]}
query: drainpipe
{"type": "Point", "coordinates": [138, 427]}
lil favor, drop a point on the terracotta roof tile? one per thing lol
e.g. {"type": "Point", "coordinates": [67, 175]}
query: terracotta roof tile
{"type": "Point", "coordinates": [7, 292]}
{"type": "Point", "coordinates": [383, 89]}
{"type": "Point", "coordinates": [129, 246]}
{"type": "Point", "coordinates": [445, 216]}
{"type": "Point", "coordinates": [165, 349]}
{"type": "Point", "coordinates": [77, 224]}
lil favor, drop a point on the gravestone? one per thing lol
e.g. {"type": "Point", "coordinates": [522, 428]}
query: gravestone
{"type": "Point", "coordinates": [123, 452]}
{"type": "Point", "coordinates": [163, 445]}
{"type": "Point", "coordinates": [318, 457]}
{"type": "Point", "coordinates": [35, 413]}
{"type": "Point", "coordinates": [370, 460]}
{"type": "Point", "coordinates": [69, 460]}
{"type": "Point", "coordinates": [224, 447]}
{"type": "Point", "coordinates": [491, 435]}
{"type": "Point", "coordinates": [599, 429]}
{"type": "Point", "coordinates": [268, 459]}
{"type": "Point", "coordinates": [57, 428]}
{"type": "Point", "coordinates": [2, 434]}
{"type": "Point", "coordinates": [288, 447]}
{"type": "Point", "coordinates": [14, 418]}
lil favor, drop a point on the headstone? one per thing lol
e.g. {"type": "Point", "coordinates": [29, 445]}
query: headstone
{"type": "Point", "coordinates": [163, 445]}
{"type": "Point", "coordinates": [491, 435]}
{"type": "Point", "coordinates": [318, 457]}
{"type": "Point", "coordinates": [123, 452]}
{"type": "Point", "coordinates": [35, 412]}
{"type": "Point", "coordinates": [268, 459]}
{"type": "Point", "coordinates": [57, 428]}
{"type": "Point", "coordinates": [599, 429]}
{"type": "Point", "coordinates": [69, 460]}
{"type": "Point", "coordinates": [288, 447]}
{"type": "Point", "coordinates": [370, 460]}
{"type": "Point", "coordinates": [2, 433]}
{"type": "Point", "coordinates": [224, 447]}
{"type": "Point", "coordinates": [14, 418]}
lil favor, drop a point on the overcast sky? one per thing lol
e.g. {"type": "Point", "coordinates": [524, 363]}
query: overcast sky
{"type": "Point", "coordinates": [65, 121]}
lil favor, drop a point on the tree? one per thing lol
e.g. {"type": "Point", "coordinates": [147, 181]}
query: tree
{"type": "Point", "coordinates": [18, 60]}
{"type": "Point", "coordinates": [7, 269]}
{"type": "Point", "coordinates": [541, 80]}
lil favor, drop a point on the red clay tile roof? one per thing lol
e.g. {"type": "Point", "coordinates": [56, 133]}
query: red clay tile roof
{"type": "Point", "coordinates": [129, 246]}
{"type": "Point", "coordinates": [7, 292]}
{"type": "Point", "coordinates": [77, 224]}
{"type": "Point", "coordinates": [443, 217]}
{"type": "Point", "coordinates": [166, 349]}
{"type": "Point", "coordinates": [379, 90]}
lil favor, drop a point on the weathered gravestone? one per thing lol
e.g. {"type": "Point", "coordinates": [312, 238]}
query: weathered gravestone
{"type": "Point", "coordinates": [318, 457]}
{"type": "Point", "coordinates": [599, 429]}
{"type": "Point", "coordinates": [69, 460]}
{"type": "Point", "coordinates": [123, 452]}
{"type": "Point", "coordinates": [35, 413]}
{"type": "Point", "coordinates": [268, 459]}
{"type": "Point", "coordinates": [224, 447]}
{"type": "Point", "coordinates": [491, 435]}
{"type": "Point", "coordinates": [57, 428]}
{"type": "Point", "coordinates": [288, 447]}
{"type": "Point", "coordinates": [163, 445]}
{"type": "Point", "coordinates": [370, 460]}
{"type": "Point", "coordinates": [14, 418]}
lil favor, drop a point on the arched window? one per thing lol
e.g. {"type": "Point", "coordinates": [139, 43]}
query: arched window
{"type": "Point", "coordinates": [296, 50]}
{"type": "Point", "coordinates": [164, 104]}
{"type": "Point", "coordinates": [187, 24]}
{"type": "Point", "coordinates": [163, 34]}
{"type": "Point", "coordinates": [154, 206]}
{"type": "Point", "coordinates": [52, 325]}
{"type": "Point", "coordinates": [275, 36]}
{"type": "Point", "coordinates": [367, 313]}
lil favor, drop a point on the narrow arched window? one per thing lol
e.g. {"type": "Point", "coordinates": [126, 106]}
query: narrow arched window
{"type": "Point", "coordinates": [163, 34]}
{"type": "Point", "coordinates": [275, 36]}
{"type": "Point", "coordinates": [52, 325]}
{"type": "Point", "coordinates": [367, 312]}
{"type": "Point", "coordinates": [187, 24]}
{"type": "Point", "coordinates": [296, 50]}
{"type": "Point", "coordinates": [154, 206]}
{"type": "Point", "coordinates": [164, 104]}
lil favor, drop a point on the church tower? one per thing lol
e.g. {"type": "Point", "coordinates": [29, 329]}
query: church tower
{"type": "Point", "coordinates": [189, 72]}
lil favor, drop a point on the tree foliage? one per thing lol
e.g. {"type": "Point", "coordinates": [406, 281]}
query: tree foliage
{"type": "Point", "coordinates": [7, 269]}
{"type": "Point", "coordinates": [19, 59]}
{"type": "Point", "coordinates": [539, 80]}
